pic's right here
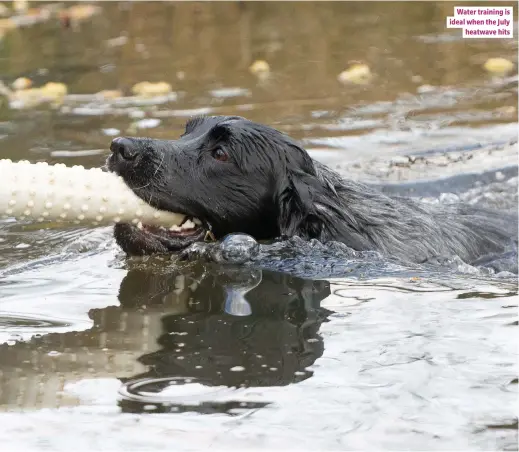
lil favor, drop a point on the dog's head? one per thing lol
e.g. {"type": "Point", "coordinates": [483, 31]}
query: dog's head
{"type": "Point", "coordinates": [225, 174]}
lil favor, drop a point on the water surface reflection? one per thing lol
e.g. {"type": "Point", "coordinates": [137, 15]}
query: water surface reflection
{"type": "Point", "coordinates": [217, 326]}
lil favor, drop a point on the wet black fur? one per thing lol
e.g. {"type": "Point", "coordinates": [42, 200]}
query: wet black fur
{"type": "Point", "coordinates": [270, 187]}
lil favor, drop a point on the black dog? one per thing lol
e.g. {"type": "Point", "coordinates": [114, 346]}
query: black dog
{"type": "Point", "coordinates": [228, 174]}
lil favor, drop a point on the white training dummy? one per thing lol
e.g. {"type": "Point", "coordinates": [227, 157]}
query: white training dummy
{"type": "Point", "coordinates": [43, 192]}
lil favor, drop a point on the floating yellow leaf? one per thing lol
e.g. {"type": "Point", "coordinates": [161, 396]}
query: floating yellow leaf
{"type": "Point", "coordinates": [148, 89]}
{"type": "Point", "coordinates": [110, 94]}
{"type": "Point", "coordinates": [20, 6]}
{"type": "Point", "coordinates": [31, 97]}
{"type": "Point", "coordinates": [259, 68]}
{"type": "Point", "coordinates": [26, 98]}
{"type": "Point", "coordinates": [498, 65]}
{"type": "Point", "coordinates": [54, 90]}
{"type": "Point", "coordinates": [21, 83]}
{"type": "Point", "coordinates": [80, 12]}
{"type": "Point", "coordinates": [358, 73]}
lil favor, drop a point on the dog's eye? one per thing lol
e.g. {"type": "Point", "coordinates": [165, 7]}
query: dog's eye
{"type": "Point", "coordinates": [220, 154]}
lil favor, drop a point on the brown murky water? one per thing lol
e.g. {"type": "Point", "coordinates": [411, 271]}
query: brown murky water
{"type": "Point", "coordinates": [384, 361]}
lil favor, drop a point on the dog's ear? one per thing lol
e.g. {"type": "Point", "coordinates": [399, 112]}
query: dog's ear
{"type": "Point", "coordinates": [312, 203]}
{"type": "Point", "coordinates": [297, 193]}
{"type": "Point", "coordinates": [296, 210]}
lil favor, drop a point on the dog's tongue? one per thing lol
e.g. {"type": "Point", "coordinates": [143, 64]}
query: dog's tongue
{"type": "Point", "coordinates": [43, 192]}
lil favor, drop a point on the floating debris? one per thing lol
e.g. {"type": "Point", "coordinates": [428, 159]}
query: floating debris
{"type": "Point", "coordinates": [185, 113]}
{"type": "Point", "coordinates": [21, 83]}
{"type": "Point", "coordinates": [25, 17]}
{"type": "Point", "coordinates": [260, 68]}
{"type": "Point", "coordinates": [358, 73]}
{"type": "Point", "coordinates": [109, 94]}
{"type": "Point", "coordinates": [111, 132]}
{"type": "Point", "coordinates": [147, 89]}
{"type": "Point", "coordinates": [54, 90]}
{"type": "Point", "coordinates": [229, 92]}
{"type": "Point", "coordinates": [83, 11]}
{"type": "Point", "coordinates": [149, 123]}
{"type": "Point", "coordinates": [77, 13]}
{"type": "Point", "coordinates": [117, 42]}
{"type": "Point", "coordinates": [136, 114]}
{"type": "Point", "coordinates": [22, 95]}
{"type": "Point", "coordinates": [20, 6]}
{"type": "Point", "coordinates": [423, 89]}
{"type": "Point", "coordinates": [31, 97]}
{"type": "Point", "coordinates": [498, 65]}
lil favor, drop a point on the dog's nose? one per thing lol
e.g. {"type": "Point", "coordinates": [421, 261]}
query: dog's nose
{"type": "Point", "coordinates": [126, 148]}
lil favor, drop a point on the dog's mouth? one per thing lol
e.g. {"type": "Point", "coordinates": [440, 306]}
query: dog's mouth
{"type": "Point", "coordinates": [142, 239]}
{"type": "Point", "coordinates": [189, 227]}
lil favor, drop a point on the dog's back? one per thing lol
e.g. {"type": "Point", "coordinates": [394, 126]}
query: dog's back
{"type": "Point", "coordinates": [364, 218]}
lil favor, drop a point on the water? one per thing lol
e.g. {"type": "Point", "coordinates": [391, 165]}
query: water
{"type": "Point", "coordinates": [103, 353]}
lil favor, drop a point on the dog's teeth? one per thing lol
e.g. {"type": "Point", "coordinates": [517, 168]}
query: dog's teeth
{"type": "Point", "coordinates": [139, 225]}
{"type": "Point", "coordinates": [197, 221]}
{"type": "Point", "coordinates": [174, 228]}
{"type": "Point", "coordinates": [188, 225]}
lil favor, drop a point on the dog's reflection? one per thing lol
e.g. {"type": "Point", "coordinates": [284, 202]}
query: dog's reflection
{"type": "Point", "coordinates": [240, 327]}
